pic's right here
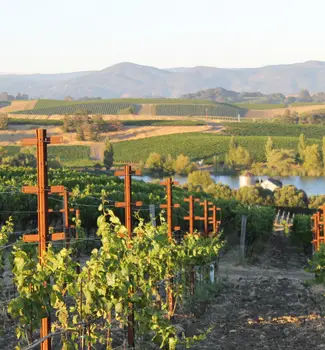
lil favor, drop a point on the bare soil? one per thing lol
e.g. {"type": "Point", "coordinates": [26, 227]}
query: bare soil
{"type": "Point", "coordinates": [17, 132]}
{"type": "Point", "coordinates": [266, 305]}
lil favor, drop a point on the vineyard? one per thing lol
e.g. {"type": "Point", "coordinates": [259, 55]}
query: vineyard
{"type": "Point", "coordinates": [136, 276]}
{"type": "Point", "coordinates": [91, 108]}
{"type": "Point", "coordinates": [110, 262]}
{"type": "Point", "coordinates": [199, 146]}
{"type": "Point", "coordinates": [219, 109]}
{"type": "Point", "coordinates": [260, 106]}
{"type": "Point", "coordinates": [274, 129]}
{"type": "Point", "coordinates": [173, 107]}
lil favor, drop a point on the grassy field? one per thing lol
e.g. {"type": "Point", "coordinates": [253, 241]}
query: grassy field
{"type": "Point", "coordinates": [167, 107]}
{"type": "Point", "coordinates": [56, 103]}
{"type": "Point", "coordinates": [19, 106]}
{"type": "Point", "coordinates": [219, 109]}
{"type": "Point", "coordinates": [162, 122]}
{"type": "Point", "coordinates": [67, 155]}
{"type": "Point", "coordinates": [24, 121]}
{"type": "Point", "coordinates": [140, 122]}
{"type": "Point", "coordinates": [273, 129]}
{"type": "Point", "coordinates": [259, 106]}
{"type": "Point", "coordinates": [198, 146]}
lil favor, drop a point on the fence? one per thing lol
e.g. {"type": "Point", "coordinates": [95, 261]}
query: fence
{"type": "Point", "coordinates": [43, 236]}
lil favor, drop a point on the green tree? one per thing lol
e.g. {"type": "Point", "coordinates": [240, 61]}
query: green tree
{"type": "Point", "coordinates": [281, 161]}
{"type": "Point", "coordinates": [168, 164]}
{"type": "Point", "coordinates": [290, 196]}
{"type": "Point", "coordinates": [3, 121]}
{"type": "Point", "coordinates": [232, 143]}
{"type": "Point", "coordinates": [254, 195]}
{"type": "Point", "coordinates": [301, 147]}
{"type": "Point", "coordinates": [200, 180]}
{"type": "Point", "coordinates": [155, 162]}
{"type": "Point", "coordinates": [313, 162]}
{"type": "Point", "coordinates": [182, 165]}
{"type": "Point", "coordinates": [238, 156]}
{"type": "Point", "coordinates": [268, 147]}
{"type": "Point", "coordinates": [108, 154]}
{"type": "Point", "coordinates": [222, 191]}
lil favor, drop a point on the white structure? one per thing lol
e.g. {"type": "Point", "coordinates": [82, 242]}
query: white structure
{"type": "Point", "coordinates": [271, 184]}
{"type": "Point", "coordinates": [247, 179]}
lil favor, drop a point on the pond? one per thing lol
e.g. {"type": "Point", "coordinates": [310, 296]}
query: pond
{"type": "Point", "coordinates": [311, 185]}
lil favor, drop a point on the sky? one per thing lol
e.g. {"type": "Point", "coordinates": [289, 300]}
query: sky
{"type": "Point", "coordinates": [55, 36]}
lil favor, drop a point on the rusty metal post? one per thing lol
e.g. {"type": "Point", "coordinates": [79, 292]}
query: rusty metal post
{"type": "Point", "coordinates": [42, 181]}
{"type": "Point", "coordinates": [213, 220]}
{"type": "Point", "coordinates": [42, 189]}
{"type": "Point", "coordinates": [205, 217]}
{"type": "Point", "coordinates": [169, 206]}
{"type": "Point", "coordinates": [190, 218]}
{"type": "Point", "coordinates": [127, 205]}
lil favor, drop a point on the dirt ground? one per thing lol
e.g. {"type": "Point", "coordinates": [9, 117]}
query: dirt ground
{"type": "Point", "coordinates": [17, 132]}
{"type": "Point", "coordinates": [270, 304]}
{"type": "Point", "coordinates": [267, 305]}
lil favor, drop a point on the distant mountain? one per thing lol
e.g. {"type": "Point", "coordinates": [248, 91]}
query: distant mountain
{"type": "Point", "coordinates": [133, 80]}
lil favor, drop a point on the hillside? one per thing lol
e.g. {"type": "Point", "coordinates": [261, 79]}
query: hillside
{"type": "Point", "coordinates": [222, 95]}
{"type": "Point", "coordinates": [163, 107]}
{"type": "Point", "coordinates": [133, 80]}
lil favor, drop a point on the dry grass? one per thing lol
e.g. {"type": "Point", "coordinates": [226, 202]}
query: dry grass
{"type": "Point", "coordinates": [269, 113]}
{"type": "Point", "coordinates": [19, 106]}
{"type": "Point", "coordinates": [14, 135]}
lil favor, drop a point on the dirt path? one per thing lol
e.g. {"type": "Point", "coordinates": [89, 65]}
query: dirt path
{"type": "Point", "coordinates": [267, 305]}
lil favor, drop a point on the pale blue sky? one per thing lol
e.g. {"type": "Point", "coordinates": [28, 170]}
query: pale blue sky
{"type": "Point", "coordinates": [49, 36]}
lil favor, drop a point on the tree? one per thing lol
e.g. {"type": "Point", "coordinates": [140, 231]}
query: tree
{"type": "Point", "coordinates": [108, 154]}
{"type": "Point", "coordinates": [182, 165]}
{"type": "Point", "coordinates": [281, 161]}
{"type": "Point", "coordinates": [304, 96]}
{"type": "Point", "coordinates": [290, 196]}
{"type": "Point", "coordinates": [268, 147]}
{"type": "Point", "coordinates": [254, 195]}
{"type": "Point", "coordinates": [313, 162]}
{"type": "Point", "coordinates": [238, 156]}
{"type": "Point", "coordinates": [168, 164]}
{"type": "Point", "coordinates": [222, 191]}
{"type": "Point", "coordinates": [302, 147]}
{"type": "Point", "coordinates": [199, 180]}
{"type": "Point", "coordinates": [3, 121]}
{"type": "Point", "coordinates": [155, 162]}
{"type": "Point", "coordinates": [232, 143]}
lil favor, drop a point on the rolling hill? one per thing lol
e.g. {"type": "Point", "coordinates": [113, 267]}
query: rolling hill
{"type": "Point", "coordinates": [133, 80]}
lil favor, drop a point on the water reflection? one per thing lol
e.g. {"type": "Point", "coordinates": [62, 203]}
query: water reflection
{"type": "Point", "coordinates": [310, 184]}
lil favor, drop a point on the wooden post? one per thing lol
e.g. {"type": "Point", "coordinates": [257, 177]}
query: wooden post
{"type": "Point", "coordinates": [42, 190]}
{"type": "Point", "coordinates": [127, 204]}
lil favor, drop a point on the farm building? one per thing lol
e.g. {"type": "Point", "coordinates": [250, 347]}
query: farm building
{"type": "Point", "coordinates": [271, 184]}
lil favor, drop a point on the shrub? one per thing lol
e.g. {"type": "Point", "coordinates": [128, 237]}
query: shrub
{"type": "Point", "coordinates": [301, 231]}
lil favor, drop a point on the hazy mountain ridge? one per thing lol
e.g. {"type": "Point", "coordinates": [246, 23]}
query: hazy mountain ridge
{"type": "Point", "coordinates": [133, 80]}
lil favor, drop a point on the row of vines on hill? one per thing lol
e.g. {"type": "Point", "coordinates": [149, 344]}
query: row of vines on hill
{"type": "Point", "coordinates": [219, 109]}
{"type": "Point", "coordinates": [91, 108]}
